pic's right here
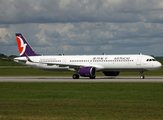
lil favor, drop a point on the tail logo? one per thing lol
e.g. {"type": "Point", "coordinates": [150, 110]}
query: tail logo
{"type": "Point", "coordinates": [21, 45]}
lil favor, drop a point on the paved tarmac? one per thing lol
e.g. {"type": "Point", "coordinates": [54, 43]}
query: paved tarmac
{"type": "Point", "coordinates": [152, 79]}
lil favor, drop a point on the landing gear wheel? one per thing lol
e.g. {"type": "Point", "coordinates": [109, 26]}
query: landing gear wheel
{"type": "Point", "coordinates": [92, 77]}
{"type": "Point", "coordinates": [142, 76]}
{"type": "Point", "coordinates": [75, 76]}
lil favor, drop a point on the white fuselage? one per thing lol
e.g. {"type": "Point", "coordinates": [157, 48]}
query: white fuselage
{"type": "Point", "coordinates": [100, 62]}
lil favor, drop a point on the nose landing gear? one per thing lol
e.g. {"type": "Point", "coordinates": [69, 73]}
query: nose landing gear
{"type": "Point", "coordinates": [142, 75]}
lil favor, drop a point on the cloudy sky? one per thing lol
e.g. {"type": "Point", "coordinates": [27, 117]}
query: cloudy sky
{"type": "Point", "coordinates": [83, 26]}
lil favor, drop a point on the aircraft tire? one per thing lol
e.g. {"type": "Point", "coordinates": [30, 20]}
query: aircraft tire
{"type": "Point", "coordinates": [142, 77]}
{"type": "Point", "coordinates": [75, 76]}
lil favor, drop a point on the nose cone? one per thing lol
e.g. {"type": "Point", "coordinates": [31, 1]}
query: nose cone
{"type": "Point", "coordinates": [158, 65]}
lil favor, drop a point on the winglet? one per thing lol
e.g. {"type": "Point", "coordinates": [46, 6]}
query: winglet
{"type": "Point", "coordinates": [24, 46]}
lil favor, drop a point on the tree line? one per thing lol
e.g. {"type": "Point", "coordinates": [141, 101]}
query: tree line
{"type": "Point", "coordinates": [5, 57]}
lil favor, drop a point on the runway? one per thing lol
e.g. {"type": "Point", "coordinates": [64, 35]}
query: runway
{"type": "Point", "coordinates": [68, 79]}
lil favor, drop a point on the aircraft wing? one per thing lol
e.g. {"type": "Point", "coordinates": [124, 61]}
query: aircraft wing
{"type": "Point", "coordinates": [73, 65]}
{"type": "Point", "coordinates": [62, 65]}
{"type": "Point", "coordinates": [66, 65]}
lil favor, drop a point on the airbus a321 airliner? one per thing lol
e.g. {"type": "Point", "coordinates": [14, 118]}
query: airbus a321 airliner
{"type": "Point", "coordinates": [85, 65]}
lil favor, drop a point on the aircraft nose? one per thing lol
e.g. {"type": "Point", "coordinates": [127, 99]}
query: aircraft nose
{"type": "Point", "coordinates": [158, 65]}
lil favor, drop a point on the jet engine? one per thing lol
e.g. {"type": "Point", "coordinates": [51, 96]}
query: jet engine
{"type": "Point", "coordinates": [111, 73]}
{"type": "Point", "coordinates": [87, 72]}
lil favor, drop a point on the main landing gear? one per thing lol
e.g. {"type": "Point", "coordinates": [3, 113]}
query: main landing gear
{"type": "Point", "coordinates": [142, 75]}
{"type": "Point", "coordinates": [75, 76]}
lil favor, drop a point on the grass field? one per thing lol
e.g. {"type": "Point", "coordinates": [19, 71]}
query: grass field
{"type": "Point", "coordinates": [83, 101]}
{"type": "Point", "coordinates": [4, 62]}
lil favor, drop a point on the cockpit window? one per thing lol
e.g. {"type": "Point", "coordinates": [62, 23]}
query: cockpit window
{"type": "Point", "coordinates": [151, 60]}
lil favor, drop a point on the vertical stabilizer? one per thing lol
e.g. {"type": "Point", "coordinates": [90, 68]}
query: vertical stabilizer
{"type": "Point", "coordinates": [23, 46]}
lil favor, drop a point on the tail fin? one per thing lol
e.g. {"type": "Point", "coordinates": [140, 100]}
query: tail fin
{"type": "Point", "coordinates": [23, 46]}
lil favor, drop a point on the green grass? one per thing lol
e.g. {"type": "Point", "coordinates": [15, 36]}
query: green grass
{"type": "Point", "coordinates": [84, 101]}
{"type": "Point", "coordinates": [4, 62]}
{"type": "Point", "coordinates": [28, 71]}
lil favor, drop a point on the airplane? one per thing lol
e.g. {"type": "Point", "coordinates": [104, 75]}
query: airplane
{"type": "Point", "coordinates": [85, 65]}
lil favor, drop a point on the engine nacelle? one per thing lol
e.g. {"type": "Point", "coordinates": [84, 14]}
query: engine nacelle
{"type": "Point", "coordinates": [111, 73]}
{"type": "Point", "coordinates": [87, 72]}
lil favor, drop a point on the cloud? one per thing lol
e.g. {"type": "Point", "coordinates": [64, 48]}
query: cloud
{"type": "Point", "coordinates": [96, 38]}
{"type": "Point", "coordinates": [83, 27]}
{"type": "Point", "coordinates": [63, 11]}
{"type": "Point", "coordinates": [106, 47]}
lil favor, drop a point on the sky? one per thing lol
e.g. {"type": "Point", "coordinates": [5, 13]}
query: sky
{"type": "Point", "coordinates": [83, 27]}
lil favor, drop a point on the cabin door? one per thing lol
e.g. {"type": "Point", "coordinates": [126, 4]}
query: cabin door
{"type": "Point", "coordinates": [64, 61]}
{"type": "Point", "coordinates": [138, 62]}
